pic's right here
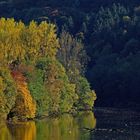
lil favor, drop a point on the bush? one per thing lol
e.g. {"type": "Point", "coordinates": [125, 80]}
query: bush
{"type": "Point", "coordinates": [86, 95]}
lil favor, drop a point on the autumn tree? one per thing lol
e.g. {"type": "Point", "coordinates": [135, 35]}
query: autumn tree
{"type": "Point", "coordinates": [10, 43]}
{"type": "Point", "coordinates": [72, 55]}
{"type": "Point", "coordinates": [39, 40]}
{"type": "Point", "coordinates": [25, 106]}
{"type": "Point", "coordinates": [7, 92]}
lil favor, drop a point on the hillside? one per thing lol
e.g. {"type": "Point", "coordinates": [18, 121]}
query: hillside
{"type": "Point", "coordinates": [110, 32]}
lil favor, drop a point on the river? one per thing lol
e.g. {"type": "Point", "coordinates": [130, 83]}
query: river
{"type": "Point", "coordinates": [109, 124]}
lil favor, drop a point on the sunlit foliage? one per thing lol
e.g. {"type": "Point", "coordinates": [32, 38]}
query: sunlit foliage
{"type": "Point", "coordinates": [25, 106]}
{"type": "Point", "coordinates": [19, 42]}
{"type": "Point", "coordinates": [33, 82]}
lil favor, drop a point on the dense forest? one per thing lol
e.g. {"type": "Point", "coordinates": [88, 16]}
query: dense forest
{"type": "Point", "coordinates": [96, 39]}
{"type": "Point", "coordinates": [33, 82]}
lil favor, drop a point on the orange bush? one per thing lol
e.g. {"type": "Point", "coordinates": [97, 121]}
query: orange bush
{"type": "Point", "coordinates": [25, 106]}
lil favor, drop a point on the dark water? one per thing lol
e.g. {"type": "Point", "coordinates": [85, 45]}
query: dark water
{"type": "Point", "coordinates": [109, 124]}
{"type": "Point", "coordinates": [116, 124]}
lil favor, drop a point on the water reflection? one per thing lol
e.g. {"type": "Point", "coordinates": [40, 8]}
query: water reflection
{"type": "Point", "coordinates": [65, 127]}
{"type": "Point", "coordinates": [4, 132]}
{"type": "Point", "coordinates": [23, 131]}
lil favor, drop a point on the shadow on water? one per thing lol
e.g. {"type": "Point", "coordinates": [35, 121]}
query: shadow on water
{"type": "Point", "coordinates": [66, 127]}
{"type": "Point", "coordinates": [116, 124]}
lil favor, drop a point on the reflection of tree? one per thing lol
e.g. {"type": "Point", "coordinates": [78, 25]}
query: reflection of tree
{"type": "Point", "coordinates": [87, 120]}
{"type": "Point", "coordinates": [69, 128]}
{"type": "Point", "coordinates": [66, 127]}
{"type": "Point", "coordinates": [62, 128]}
{"type": "Point", "coordinates": [23, 131]}
{"type": "Point", "coordinates": [4, 132]}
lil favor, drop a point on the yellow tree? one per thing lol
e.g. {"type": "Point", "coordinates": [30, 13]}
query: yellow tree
{"type": "Point", "coordinates": [10, 46]}
{"type": "Point", "coordinates": [49, 42]}
{"type": "Point", "coordinates": [2, 98]}
{"type": "Point", "coordinates": [18, 41]}
{"type": "Point", "coordinates": [31, 41]}
{"type": "Point", "coordinates": [7, 92]}
{"type": "Point", "coordinates": [39, 40]}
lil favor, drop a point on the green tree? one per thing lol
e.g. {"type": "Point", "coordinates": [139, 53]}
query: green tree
{"type": "Point", "coordinates": [73, 56]}
{"type": "Point", "coordinates": [61, 92]}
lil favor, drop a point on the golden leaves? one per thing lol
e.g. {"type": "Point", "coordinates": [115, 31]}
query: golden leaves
{"type": "Point", "coordinates": [18, 41]}
{"type": "Point", "coordinates": [25, 106]}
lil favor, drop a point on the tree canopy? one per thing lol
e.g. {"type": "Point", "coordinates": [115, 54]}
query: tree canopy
{"type": "Point", "coordinates": [33, 82]}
